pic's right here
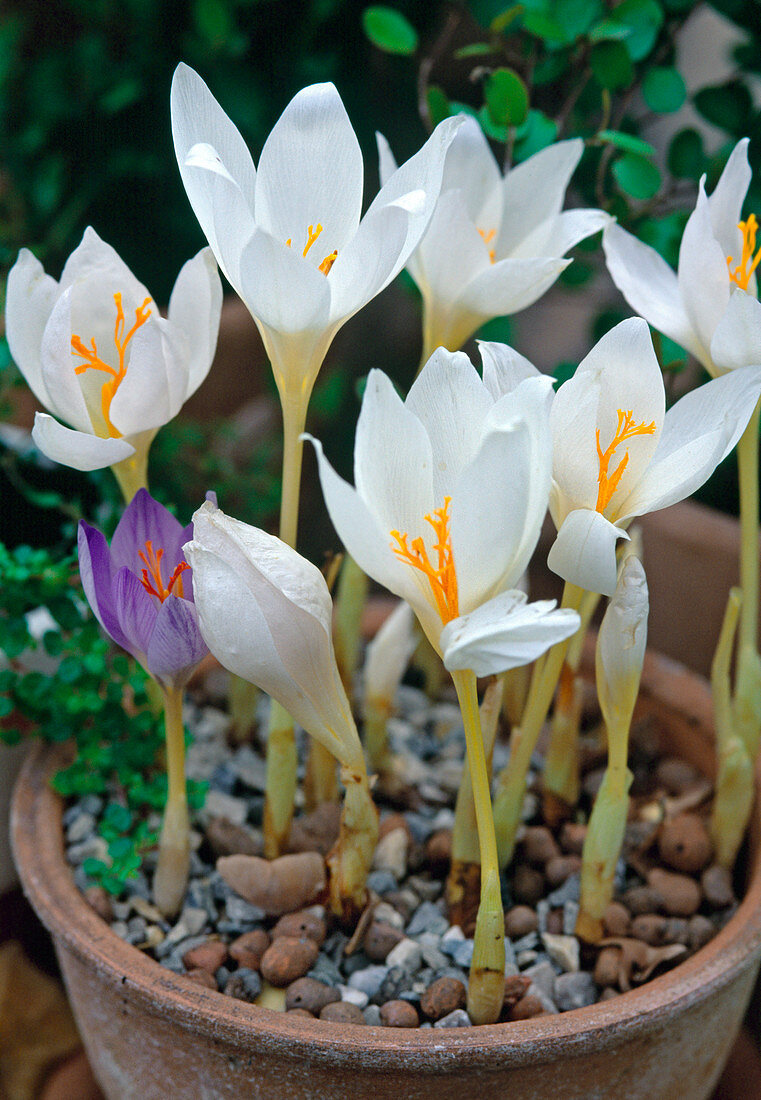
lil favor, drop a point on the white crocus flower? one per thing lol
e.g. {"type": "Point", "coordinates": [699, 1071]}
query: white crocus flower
{"type": "Point", "coordinates": [388, 655]}
{"type": "Point", "coordinates": [289, 236]}
{"type": "Point", "coordinates": [97, 354]}
{"type": "Point", "coordinates": [451, 490]}
{"type": "Point", "coordinates": [708, 305]}
{"type": "Point", "coordinates": [618, 454]}
{"type": "Point", "coordinates": [495, 243]}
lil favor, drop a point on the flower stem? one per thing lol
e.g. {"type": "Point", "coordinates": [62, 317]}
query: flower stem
{"type": "Point", "coordinates": [604, 839]}
{"type": "Point", "coordinates": [320, 781]}
{"type": "Point", "coordinates": [512, 781]}
{"type": "Point", "coordinates": [747, 464]}
{"type": "Point", "coordinates": [242, 699]}
{"type": "Point", "coordinates": [171, 876]}
{"type": "Point", "coordinates": [486, 986]}
{"type": "Point", "coordinates": [280, 781]}
{"type": "Point", "coordinates": [294, 419]}
{"type": "Point", "coordinates": [352, 855]}
{"type": "Point", "coordinates": [132, 473]}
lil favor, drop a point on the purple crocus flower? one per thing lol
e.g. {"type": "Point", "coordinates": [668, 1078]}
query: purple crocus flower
{"type": "Point", "coordinates": [141, 589]}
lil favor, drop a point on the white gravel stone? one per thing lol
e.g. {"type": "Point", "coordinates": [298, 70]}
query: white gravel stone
{"type": "Point", "coordinates": [407, 954]}
{"type": "Point", "coordinates": [353, 996]}
{"type": "Point", "coordinates": [391, 853]}
{"type": "Point", "coordinates": [563, 950]}
{"type": "Point", "coordinates": [458, 1018]}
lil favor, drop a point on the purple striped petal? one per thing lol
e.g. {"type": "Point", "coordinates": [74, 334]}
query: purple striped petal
{"type": "Point", "coordinates": [97, 580]}
{"type": "Point", "coordinates": [137, 613]}
{"type": "Point", "coordinates": [146, 520]}
{"type": "Point", "coordinates": [176, 644]}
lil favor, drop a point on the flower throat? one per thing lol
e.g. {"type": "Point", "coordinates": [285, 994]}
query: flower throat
{"type": "Point", "coordinates": [742, 273]}
{"type": "Point", "coordinates": [441, 577]}
{"type": "Point", "coordinates": [626, 429]}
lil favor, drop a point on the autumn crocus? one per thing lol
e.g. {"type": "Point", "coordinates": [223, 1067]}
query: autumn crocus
{"type": "Point", "coordinates": [98, 355]}
{"type": "Point", "coordinates": [141, 591]}
{"type": "Point", "coordinates": [451, 489]}
{"type": "Point", "coordinates": [496, 242]}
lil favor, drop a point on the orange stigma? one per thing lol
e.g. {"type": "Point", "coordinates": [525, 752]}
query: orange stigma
{"type": "Point", "coordinates": [152, 559]}
{"type": "Point", "coordinates": [92, 360]}
{"type": "Point", "coordinates": [627, 429]}
{"type": "Point", "coordinates": [749, 260]}
{"type": "Point", "coordinates": [313, 232]}
{"type": "Point", "coordinates": [488, 236]}
{"type": "Point", "coordinates": [442, 578]}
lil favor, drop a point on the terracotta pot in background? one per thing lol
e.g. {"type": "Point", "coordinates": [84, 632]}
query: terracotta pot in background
{"type": "Point", "coordinates": [147, 1030]}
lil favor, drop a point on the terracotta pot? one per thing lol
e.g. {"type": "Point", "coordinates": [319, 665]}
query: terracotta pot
{"type": "Point", "coordinates": [150, 1033]}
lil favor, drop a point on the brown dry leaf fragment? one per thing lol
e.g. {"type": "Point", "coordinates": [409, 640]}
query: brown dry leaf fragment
{"type": "Point", "coordinates": [638, 959]}
{"type": "Point", "coordinates": [279, 885]}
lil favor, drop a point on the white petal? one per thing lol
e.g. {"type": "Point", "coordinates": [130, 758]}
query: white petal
{"type": "Point", "coordinates": [503, 367]}
{"type": "Point", "coordinates": [369, 261]}
{"type": "Point", "coordinates": [100, 265]}
{"type": "Point", "coordinates": [510, 285]}
{"type": "Point", "coordinates": [280, 288]}
{"type": "Point", "coordinates": [194, 310]}
{"type": "Point", "coordinates": [555, 236]}
{"type": "Point", "coordinates": [79, 450]}
{"type": "Point", "coordinates": [726, 202]}
{"type": "Point", "coordinates": [621, 643]}
{"type": "Point", "coordinates": [143, 400]}
{"type": "Point", "coordinates": [737, 339]}
{"type": "Point", "coordinates": [584, 552]}
{"type": "Point", "coordinates": [223, 208]}
{"type": "Point", "coordinates": [703, 281]}
{"type": "Point", "coordinates": [470, 167]}
{"type": "Point", "coordinates": [650, 287]}
{"type": "Point", "coordinates": [451, 402]}
{"type": "Point", "coordinates": [59, 365]}
{"type": "Point", "coordinates": [386, 162]}
{"type": "Point", "coordinates": [388, 654]}
{"type": "Point", "coordinates": [29, 301]}
{"type": "Point", "coordinates": [504, 633]}
{"type": "Point", "coordinates": [310, 173]}
{"type": "Point", "coordinates": [534, 191]}
{"type": "Point", "coordinates": [452, 251]}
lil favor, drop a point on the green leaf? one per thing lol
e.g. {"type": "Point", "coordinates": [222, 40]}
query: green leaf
{"type": "Point", "coordinates": [609, 30]}
{"type": "Point", "coordinates": [389, 30]}
{"type": "Point", "coordinates": [628, 142]}
{"type": "Point", "coordinates": [213, 21]}
{"type": "Point", "coordinates": [536, 133]}
{"type": "Point", "coordinates": [611, 65]}
{"type": "Point", "coordinates": [122, 94]}
{"type": "Point", "coordinates": [439, 106]}
{"type": "Point", "coordinates": [502, 21]}
{"type": "Point", "coordinates": [644, 19]}
{"type": "Point", "coordinates": [664, 90]}
{"type": "Point", "coordinates": [726, 105]}
{"type": "Point", "coordinates": [550, 30]}
{"type": "Point", "coordinates": [686, 159]}
{"type": "Point", "coordinates": [636, 176]}
{"type": "Point", "coordinates": [490, 128]}
{"type": "Point", "coordinates": [475, 49]}
{"type": "Point", "coordinates": [506, 98]}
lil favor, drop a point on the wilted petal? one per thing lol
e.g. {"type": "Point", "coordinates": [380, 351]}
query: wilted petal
{"type": "Point", "coordinates": [584, 552]}
{"type": "Point", "coordinates": [77, 449]}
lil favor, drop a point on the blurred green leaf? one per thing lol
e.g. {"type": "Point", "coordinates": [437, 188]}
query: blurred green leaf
{"type": "Point", "coordinates": [213, 21]}
{"type": "Point", "coordinates": [664, 90]}
{"type": "Point", "coordinates": [628, 142]}
{"type": "Point", "coordinates": [637, 176]}
{"type": "Point", "coordinates": [476, 49]}
{"type": "Point", "coordinates": [439, 106]}
{"type": "Point", "coordinates": [726, 105]}
{"type": "Point", "coordinates": [611, 65]}
{"type": "Point", "coordinates": [686, 159]}
{"type": "Point", "coordinates": [506, 98]}
{"type": "Point", "coordinates": [644, 19]}
{"type": "Point", "coordinates": [537, 133]}
{"type": "Point", "coordinates": [123, 94]}
{"type": "Point", "coordinates": [502, 21]}
{"type": "Point", "coordinates": [389, 30]}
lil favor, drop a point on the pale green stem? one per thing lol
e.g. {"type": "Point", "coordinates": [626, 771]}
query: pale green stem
{"type": "Point", "coordinates": [512, 781]}
{"type": "Point", "coordinates": [747, 465]}
{"type": "Point", "coordinates": [280, 782]}
{"type": "Point", "coordinates": [173, 864]}
{"type": "Point", "coordinates": [242, 699]}
{"type": "Point", "coordinates": [132, 474]}
{"type": "Point", "coordinates": [351, 857]}
{"type": "Point", "coordinates": [376, 713]}
{"type": "Point", "coordinates": [486, 985]}
{"type": "Point", "coordinates": [320, 781]}
{"type": "Point", "coordinates": [294, 420]}
{"type": "Point", "coordinates": [347, 622]}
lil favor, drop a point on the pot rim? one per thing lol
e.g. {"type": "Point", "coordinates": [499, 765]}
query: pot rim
{"type": "Point", "coordinates": [49, 885]}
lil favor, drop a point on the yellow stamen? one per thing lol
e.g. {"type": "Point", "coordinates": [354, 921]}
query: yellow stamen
{"type": "Point", "coordinates": [488, 236]}
{"type": "Point", "coordinates": [152, 559]}
{"type": "Point", "coordinates": [626, 429]}
{"type": "Point", "coordinates": [92, 360]}
{"type": "Point", "coordinates": [442, 577]}
{"type": "Point", "coordinates": [749, 260]}
{"type": "Point", "coordinates": [313, 232]}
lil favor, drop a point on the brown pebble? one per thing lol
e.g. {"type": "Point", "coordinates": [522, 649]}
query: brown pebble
{"type": "Point", "coordinates": [592, 782]}
{"type": "Point", "coordinates": [277, 886]}
{"type": "Point", "coordinates": [391, 822]}
{"type": "Point", "coordinates": [228, 839]}
{"type": "Point", "coordinates": [699, 931]}
{"type": "Point", "coordinates": [676, 930]}
{"type": "Point", "coordinates": [526, 1007]}
{"type": "Point", "coordinates": [207, 956]}
{"type": "Point", "coordinates": [442, 997]}
{"type": "Point", "coordinates": [309, 994]}
{"type": "Point", "coordinates": [572, 837]}
{"type": "Point", "coordinates": [606, 967]}
{"type": "Point", "coordinates": [555, 922]}
{"type": "Point", "coordinates": [404, 901]}
{"type": "Point", "coordinates": [302, 925]}
{"type": "Point", "coordinates": [616, 919]}
{"type": "Point", "coordinates": [516, 986]}
{"type": "Point", "coordinates": [528, 885]}
{"type": "Point", "coordinates": [681, 895]}
{"type": "Point", "coordinates": [676, 775]}
{"type": "Point", "coordinates": [249, 948]}
{"type": "Point", "coordinates": [202, 977]}
{"type": "Point", "coordinates": [539, 845]}
{"type": "Point", "coordinates": [519, 921]}
{"type": "Point", "coordinates": [286, 959]}
{"type": "Point", "coordinates": [317, 831]}
{"type": "Point", "coordinates": [380, 938]}
{"type": "Point", "coordinates": [438, 852]}
{"type": "Point", "coordinates": [560, 868]}
{"type": "Point", "coordinates": [343, 1012]}
{"type": "Point", "coordinates": [299, 1012]}
{"type": "Point", "coordinates": [649, 927]}
{"type": "Point", "coordinates": [399, 1014]}
{"type": "Point", "coordinates": [642, 899]}
{"type": "Point", "coordinates": [98, 899]}
{"type": "Point", "coordinates": [608, 994]}
{"type": "Point", "coordinates": [717, 886]}
{"type": "Point", "coordinates": [684, 843]}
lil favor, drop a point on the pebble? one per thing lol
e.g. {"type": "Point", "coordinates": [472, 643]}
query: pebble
{"type": "Point", "coordinates": [572, 837]}
{"type": "Point", "coordinates": [369, 980]}
{"type": "Point", "coordinates": [342, 1012]}
{"type": "Point", "coordinates": [398, 1014]}
{"type": "Point", "coordinates": [528, 885]}
{"type": "Point", "coordinates": [575, 990]}
{"type": "Point", "coordinates": [680, 895]}
{"type": "Point", "coordinates": [99, 900]}
{"type": "Point", "coordinates": [353, 996]}
{"type": "Point", "coordinates": [542, 975]}
{"type": "Point", "coordinates": [539, 845]}
{"type": "Point", "coordinates": [563, 950]}
{"type": "Point", "coordinates": [229, 839]}
{"type": "Point", "coordinates": [302, 1012]}
{"type": "Point", "coordinates": [307, 924]}
{"type": "Point", "coordinates": [676, 775]}
{"type": "Point", "coordinates": [386, 914]}
{"type": "Point", "coordinates": [372, 1015]}
{"type": "Point", "coordinates": [240, 912]}
{"type": "Point", "coordinates": [244, 984]}
{"type": "Point", "coordinates": [275, 886]}
{"type": "Point", "coordinates": [391, 853]}
{"type": "Point", "coordinates": [516, 986]}
{"type": "Point", "coordinates": [316, 831]}
{"type": "Point", "coordinates": [616, 919]}
{"type": "Point", "coordinates": [519, 921]}
{"type": "Point", "coordinates": [560, 868]}
{"type": "Point", "coordinates": [462, 954]}
{"type": "Point", "coordinates": [684, 843]}
{"type": "Point", "coordinates": [650, 927]}
{"type": "Point", "coordinates": [699, 931]}
{"type": "Point", "coordinates": [442, 997]}
{"type": "Point", "coordinates": [248, 949]}
{"type": "Point", "coordinates": [526, 1008]}
{"type": "Point", "coordinates": [219, 804]}
{"type": "Point", "coordinates": [202, 977]}
{"type": "Point", "coordinates": [379, 939]}
{"type": "Point", "coordinates": [207, 956]}
{"type": "Point", "coordinates": [311, 995]}
{"type": "Point", "coordinates": [93, 847]}
{"type": "Point", "coordinates": [716, 882]}
{"type": "Point", "coordinates": [569, 891]}
{"type": "Point", "coordinates": [426, 889]}
{"type": "Point", "coordinates": [286, 959]}
{"type": "Point", "coordinates": [381, 882]}
{"type": "Point", "coordinates": [427, 918]}
{"type": "Point", "coordinates": [642, 899]}
{"type": "Point", "coordinates": [438, 852]}
{"type": "Point", "coordinates": [81, 827]}
{"type": "Point", "coordinates": [458, 1018]}
{"type": "Point", "coordinates": [606, 967]}
{"type": "Point", "coordinates": [407, 955]}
